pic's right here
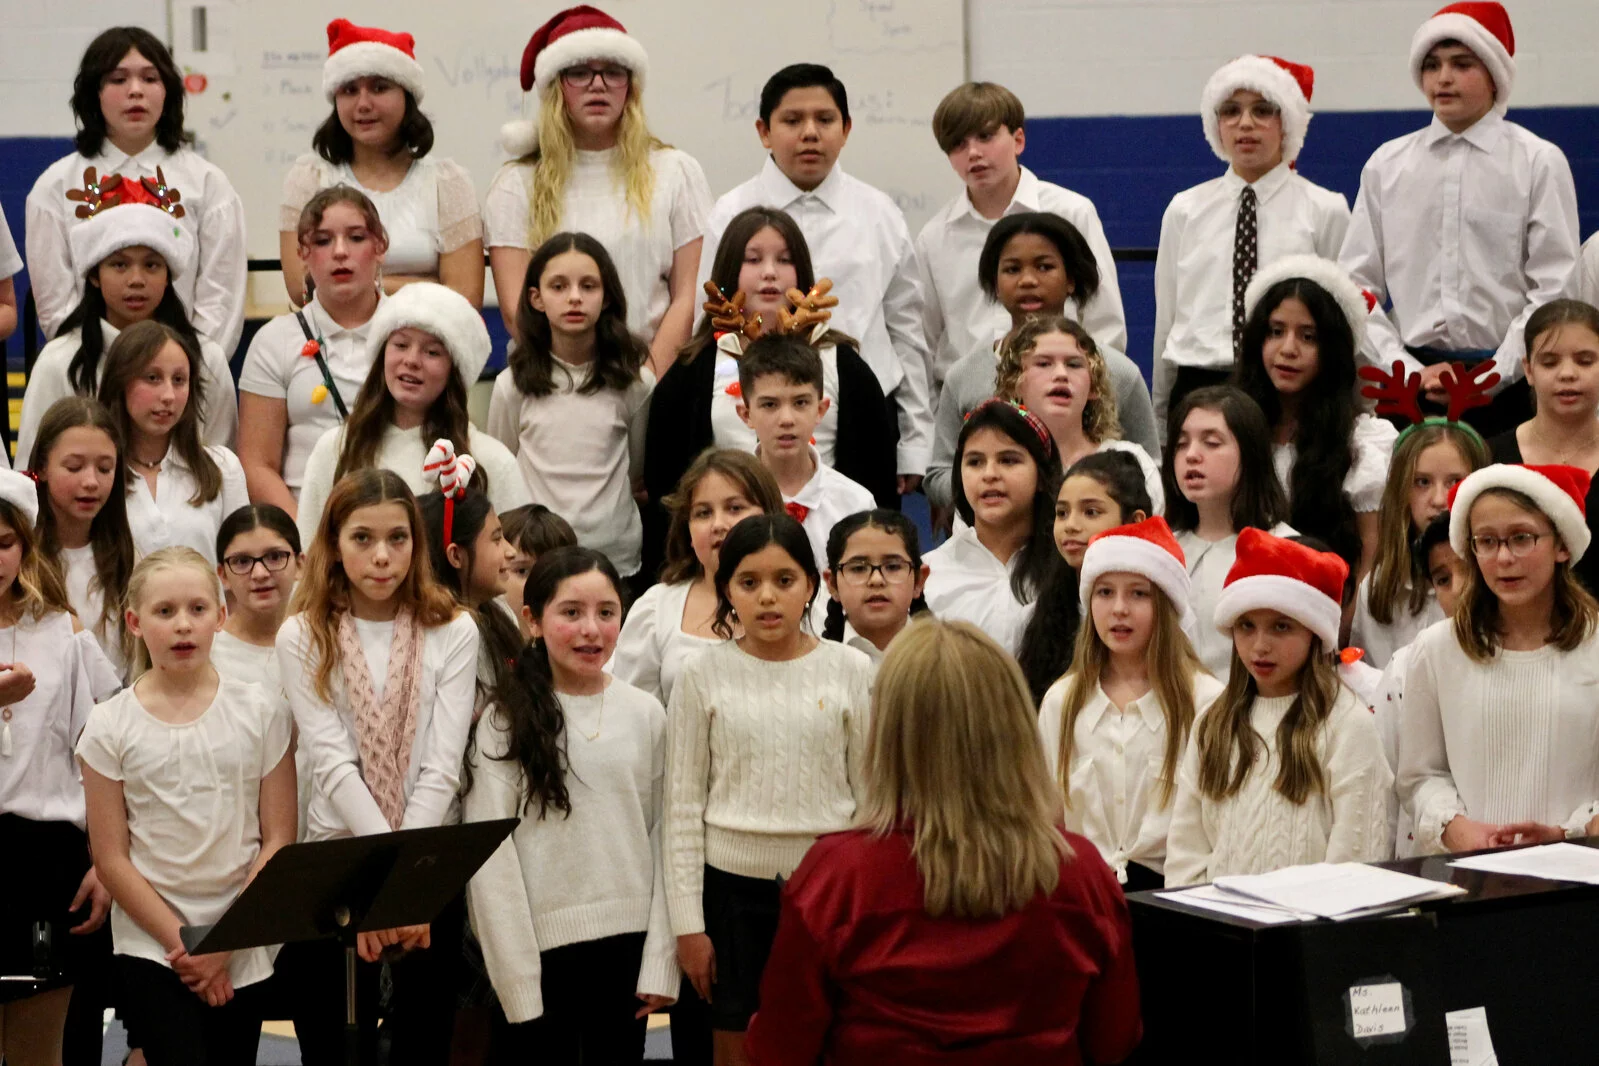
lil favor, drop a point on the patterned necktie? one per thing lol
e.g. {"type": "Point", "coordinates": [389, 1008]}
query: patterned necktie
{"type": "Point", "coordinates": [1243, 261]}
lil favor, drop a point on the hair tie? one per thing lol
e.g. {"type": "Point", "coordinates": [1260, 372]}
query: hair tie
{"type": "Point", "coordinates": [453, 473]}
{"type": "Point", "coordinates": [1035, 423]}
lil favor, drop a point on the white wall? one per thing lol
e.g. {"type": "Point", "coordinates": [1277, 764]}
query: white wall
{"type": "Point", "coordinates": [1142, 57]}
{"type": "Point", "coordinates": [39, 52]}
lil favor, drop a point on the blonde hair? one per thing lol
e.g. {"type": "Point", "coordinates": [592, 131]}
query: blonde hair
{"type": "Point", "coordinates": [1100, 419]}
{"type": "Point", "coordinates": [557, 149]}
{"type": "Point", "coordinates": [1172, 664]}
{"type": "Point", "coordinates": [38, 589]}
{"type": "Point", "coordinates": [954, 752]}
{"type": "Point", "coordinates": [1229, 744]}
{"type": "Point", "coordinates": [177, 557]}
{"type": "Point", "coordinates": [1397, 575]}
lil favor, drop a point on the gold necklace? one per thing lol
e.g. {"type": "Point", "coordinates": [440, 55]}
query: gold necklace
{"type": "Point", "coordinates": [600, 726]}
{"type": "Point", "coordinates": [1562, 456]}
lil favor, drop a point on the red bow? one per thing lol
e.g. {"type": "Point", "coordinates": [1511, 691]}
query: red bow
{"type": "Point", "coordinates": [797, 511]}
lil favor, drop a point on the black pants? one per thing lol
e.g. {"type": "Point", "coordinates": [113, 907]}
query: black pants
{"type": "Point", "coordinates": [692, 1044]}
{"type": "Point", "coordinates": [741, 920]}
{"type": "Point", "coordinates": [1141, 878]}
{"type": "Point", "coordinates": [589, 1003]}
{"type": "Point", "coordinates": [175, 1025]}
{"type": "Point", "coordinates": [421, 1012]}
{"type": "Point", "coordinates": [1189, 378]}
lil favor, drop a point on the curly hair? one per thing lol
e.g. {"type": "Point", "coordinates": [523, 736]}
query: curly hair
{"type": "Point", "coordinates": [1100, 419]}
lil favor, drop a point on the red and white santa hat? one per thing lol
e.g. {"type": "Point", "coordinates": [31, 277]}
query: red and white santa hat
{"type": "Point", "coordinates": [1286, 84]}
{"type": "Point", "coordinates": [1353, 301]}
{"type": "Point", "coordinates": [1274, 574]}
{"type": "Point", "coordinates": [1560, 492]}
{"type": "Point", "coordinates": [129, 225]}
{"type": "Point", "coordinates": [441, 312]}
{"type": "Point", "coordinates": [577, 35]}
{"type": "Point", "coordinates": [1147, 549]}
{"type": "Point", "coordinates": [1482, 27]}
{"type": "Point", "coordinates": [367, 52]}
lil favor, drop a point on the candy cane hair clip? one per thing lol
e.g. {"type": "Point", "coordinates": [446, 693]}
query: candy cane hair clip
{"type": "Point", "coordinates": [453, 473]}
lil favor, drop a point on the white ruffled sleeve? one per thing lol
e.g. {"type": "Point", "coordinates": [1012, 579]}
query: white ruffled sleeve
{"type": "Point", "coordinates": [1373, 446]}
{"type": "Point", "coordinates": [459, 220]}
{"type": "Point", "coordinates": [505, 209]}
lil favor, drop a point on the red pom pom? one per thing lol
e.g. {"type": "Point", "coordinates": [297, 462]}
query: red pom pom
{"type": "Point", "coordinates": [310, 349]}
{"type": "Point", "coordinates": [736, 391]}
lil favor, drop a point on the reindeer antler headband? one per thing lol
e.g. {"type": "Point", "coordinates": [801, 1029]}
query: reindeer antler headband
{"type": "Point", "coordinates": [1398, 393]}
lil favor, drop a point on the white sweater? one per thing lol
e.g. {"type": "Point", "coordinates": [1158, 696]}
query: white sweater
{"type": "Point", "coordinates": [764, 757]}
{"type": "Point", "coordinates": [1509, 740]}
{"type": "Point", "coordinates": [564, 879]}
{"type": "Point", "coordinates": [1258, 830]}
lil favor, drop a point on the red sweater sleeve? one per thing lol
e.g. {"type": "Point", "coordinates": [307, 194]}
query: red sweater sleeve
{"type": "Point", "coordinates": [795, 992]}
{"type": "Point", "coordinates": [1112, 1025]}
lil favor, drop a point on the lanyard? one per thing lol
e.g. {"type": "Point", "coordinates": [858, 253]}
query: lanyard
{"type": "Point", "coordinates": [322, 364]}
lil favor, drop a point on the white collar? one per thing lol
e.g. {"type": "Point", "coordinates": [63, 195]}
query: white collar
{"type": "Point", "coordinates": [1266, 186]}
{"type": "Point", "coordinates": [1025, 198]}
{"type": "Point", "coordinates": [1485, 133]}
{"type": "Point", "coordinates": [776, 188]}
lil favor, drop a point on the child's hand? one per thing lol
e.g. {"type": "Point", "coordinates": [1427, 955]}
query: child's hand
{"type": "Point", "coordinates": [16, 683]}
{"type": "Point", "coordinates": [652, 1004]}
{"type": "Point", "coordinates": [414, 937]}
{"type": "Point", "coordinates": [204, 975]}
{"type": "Point", "coordinates": [1526, 833]}
{"type": "Point", "coordinates": [698, 959]}
{"type": "Point", "coordinates": [1463, 834]}
{"type": "Point", "coordinates": [1432, 383]}
{"type": "Point", "coordinates": [91, 891]}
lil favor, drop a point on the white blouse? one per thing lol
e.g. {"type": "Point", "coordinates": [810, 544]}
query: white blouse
{"type": "Point", "coordinates": [432, 211]}
{"type": "Point", "coordinates": [965, 581]}
{"type": "Point", "coordinates": [87, 600]}
{"type": "Point", "coordinates": [341, 805]}
{"type": "Point", "coordinates": [1115, 776]}
{"type": "Point", "coordinates": [596, 204]}
{"type": "Point", "coordinates": [730, 430]}
{"type": "Point", "coordinates": [48, 382]}
{"type": "Point", "coordinates": [275, 369]}
{"type": "Point", "coordinates": [1373, 446]}
{"type": "Point", "coordinates": [39, 776]}
{"type": "Point", "coordinates": [1379, 641]}
{"type": "Point", "coordinates": [652, 648]}
{"type": "Point", "coordinates": [173, 519]}
{"type": "Point", "coordinates": [1510, 740]}
{"type": "Point", "coordinates": [211, 284]}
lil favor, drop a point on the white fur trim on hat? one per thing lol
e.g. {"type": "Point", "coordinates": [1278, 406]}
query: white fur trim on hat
{"type": "Point", "coordinates": [1134, 555]}
{"type": "Point", "coordinates": [21, 492]}
{"type": "Point", "coordinates": [1551, 499]}
{"type": "Point", "coordinates": [581, 46]}
{"type": "Point", "coordinates": [371, 59]}
{"type": "Point", "coordinates": [442, 312]}
{"type": "Point", "coordinates": [519, 137]}
{"type": "Point", "coordinates": [1257, 74]}
{"type": "Point", "coordinates": [127, 226]}
{"type": "Point", "coordinates": [1453, 25]}
{"type": "Point", "coordinates": [1303, 603]}
{"type": "Point", "coordinates": [1324, 272]}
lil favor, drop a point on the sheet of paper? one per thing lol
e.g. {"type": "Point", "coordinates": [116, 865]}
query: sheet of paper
{"type": "Point", "coordinates": [1336, 889]}
{"type": "Point", "coordinates": [1377, 1010]}
{"type": "Point", "coordinates": [1552, 862]}
{"type": "Point", "coordinates": [1208, 897]}
{"type": "Point", "coordinates": [1469, 1041]}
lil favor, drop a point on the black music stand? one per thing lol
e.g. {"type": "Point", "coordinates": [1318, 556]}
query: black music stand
{"type": "Point", "coordinates": [353, 885]}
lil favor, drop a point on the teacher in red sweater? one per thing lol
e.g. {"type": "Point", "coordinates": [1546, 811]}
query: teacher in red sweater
{"type": "Point", "coordinates": [960, 923]}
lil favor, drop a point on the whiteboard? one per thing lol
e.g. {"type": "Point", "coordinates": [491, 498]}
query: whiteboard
{"type": "Point", "coordinates": [261, 61]}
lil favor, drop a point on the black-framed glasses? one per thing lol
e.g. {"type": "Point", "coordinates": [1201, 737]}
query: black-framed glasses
{"type": "Point", "coordinates": [1260, 111]}
{"type": "Point", "coordinates": [1521, 544]}
{"type": "Point", "coordinates": [896, 570]}
{"type": "Point", "coordinates": [274, 560]}
{"type": "Point", "coordinates": [612, 77]}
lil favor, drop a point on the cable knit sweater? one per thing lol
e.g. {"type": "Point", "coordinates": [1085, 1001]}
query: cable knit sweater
{"type": "Point", "coordinates": [763, 758]}
{"type": "Point", "coordinates": [1258, 830]}
{"type": "Point", "coordinates": [564, 879]}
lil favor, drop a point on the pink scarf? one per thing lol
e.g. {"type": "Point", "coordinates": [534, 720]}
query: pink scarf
{"type": "Point", "coordinates": [384, 731]}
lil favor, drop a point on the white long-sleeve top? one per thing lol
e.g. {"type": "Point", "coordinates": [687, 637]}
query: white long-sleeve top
{"type": "Point", "coordinates": [1115, 778]}
{"type": "Point", "coordinates": [211, 284]}
{"type": "Point", "coordinates": [1467, 234]}
{"type": "Point", "coordinates": [1380, 642]}
{"type": "Point", "coordinates": [652, 648]}
{"type": "Point", "coordinates": [957, 317]}
{"type": "Point", "coordinates": [48, 382]}
{"type": "Point", "coordinates": [1510, 740]}
{"type": "Point", "coordinates": [578, 453]}
{"type": "Point", "coordinates": [341, 805]}
{"type": "Point", "coordinates": [404, 451]}
{"type": "Point", "coordinates": [966, 581]}
{"type": "Point", "coordinates": [1586, 281]}
{"type": "Point", "coordinates": [565, 879]}
{"type": "Point", "coordinates": [857, 237]}
{"type": "Point", "coordinates": [165, 517]}
{"type": "Point", "coordinates": [1389, 709]}
{"type": "Point", "coordinates": [1257, 830]}
{"type": "Point", "coordinates": [763, 757]}
{"type": "Point", "coordinates": [39, 776]}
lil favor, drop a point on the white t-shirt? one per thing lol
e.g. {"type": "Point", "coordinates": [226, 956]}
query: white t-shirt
{"type": "Point", "coordinates": [39, 778]}
{"type": "Point", "coordinates": [596, 204]}
{"type": "Point", "coordinates": [275, 369]}
{"type": "Point", "coordinates": [258, 665]}
{"type": "Point", "coordinates": [652, 648]}
{"type": "Point", "coordinates": [166, 517]}
{"type": "Point", "coordinates": [966, 582]}
{"type": "Point", "coordinates": [193, 804]}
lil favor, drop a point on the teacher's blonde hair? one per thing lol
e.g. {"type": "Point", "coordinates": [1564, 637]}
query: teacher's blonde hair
{"type": "Point", "coordinates": [954, 754]}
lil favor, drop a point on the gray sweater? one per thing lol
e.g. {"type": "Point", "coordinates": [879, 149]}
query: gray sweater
{"type": "Point", "coordinates": [971, 381]}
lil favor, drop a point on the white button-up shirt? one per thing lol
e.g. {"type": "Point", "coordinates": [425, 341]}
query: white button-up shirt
{"type": "Point", "coordinates": [211, 284]}
{"type": "Point", "coordinates": [165, 518]}
{"type": "Point", "coordinates": [958, 317]}
{"type": "Point", "coordinates": [1113, 797]}
{"type": "Point", "coordinates": [827, 497]}
{"type": "Point", "coordinates": [967, 582]}
{"type": "Point", "coordinates": [1194, 265]}
{"type": "Point", "coordinates": [1467, 234]}
{"type": "Point", "coordinates": [857, 237]}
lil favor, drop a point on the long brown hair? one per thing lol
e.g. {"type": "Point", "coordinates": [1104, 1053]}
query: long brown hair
{"type": "Point", "coordinates": [1398, 576]}
{"type": "Point", "coordinates": [743, 470]}
{"type": "Point", "coordinates": [954, 755]}
{"type": "Point", "coordinates": [1229, 744]}
{"type": "Point", "coordinates": [1100, 420]}
{"type": "Point", "coordinates": [38, 589]}
{"type": "Point", "coordinates": [108, 532]}
{"type": "Point", "coordinates": [324, 589]}
{"type": "Point", "coordinates": [130, 353]}
{"type": "Point", "coordinates": [373, 413]}
{"type": "Point", "coordinates": [1572, 619]}
{"type": "Point", "coordinates": [1172, 665]}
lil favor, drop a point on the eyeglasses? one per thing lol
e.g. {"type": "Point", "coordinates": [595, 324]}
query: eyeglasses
{"type": "Point", "coordinates": [582, 77]}
{"type": "Point", "coordinates": [1260, 111]}
{"type": "Point", "coordinates": [274, 560]}
{"type": "Point", "coordinates": [895, 570]}
{"type": "Point", "coordinates": [1520, 544]}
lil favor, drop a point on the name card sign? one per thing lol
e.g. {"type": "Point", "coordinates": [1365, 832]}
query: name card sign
{"type": "Point", "coordinates": [1378, 1011]}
